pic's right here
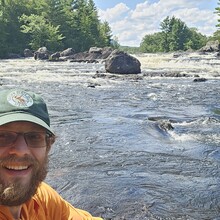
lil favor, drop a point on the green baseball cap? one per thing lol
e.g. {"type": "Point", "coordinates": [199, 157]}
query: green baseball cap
{"type": "Point", "coordinates": [21, 105]}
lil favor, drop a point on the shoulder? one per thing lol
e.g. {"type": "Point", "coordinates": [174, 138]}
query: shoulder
{"type": "Point", "coordinates": [45, 190]}
{"type": "Point", "coordinates": [56, 206]}
{"type": "Point", "coordinates": [46, 195]}
{"type": "Point", "coordinates": [50, 202]}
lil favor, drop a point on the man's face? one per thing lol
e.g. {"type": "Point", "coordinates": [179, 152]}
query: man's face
{"type": "Point", "coordinates": [22, 168]}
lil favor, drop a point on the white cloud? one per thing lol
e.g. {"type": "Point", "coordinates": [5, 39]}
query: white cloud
{"type": "Point", "coordinates": [112, 14]}
{"type": "Point", "coordinates": [203, 20]}
{"type": "Point", "coordinates": [130, 26]}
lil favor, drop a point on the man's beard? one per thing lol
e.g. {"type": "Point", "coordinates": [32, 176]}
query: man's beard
{"type": "Point", "coordinates": [17, 193]}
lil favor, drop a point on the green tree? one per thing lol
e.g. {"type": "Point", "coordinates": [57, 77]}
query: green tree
{"type": "Point", "coordinates": [87, 29]}
{"type": "Point", "coordinates": [179, 35]}
{"type": "Point", "coordinates": [195, 40]}
{"type": "Point", "coordinates": [152, 43]}
{"type": "Point", "coordinates": [166, 28]}
{"type": "Point", "coordinates": [115, 43]}
{"type": "Point", "coordinates": [105, 38]}
{"type": "Point", "coordinates": [55, 23]}
{"type": "Point", "coordinates": [174, 36]}
{"type": "Point", "coordinates": [216, 35]}
{"type": "Point", "coordinates": [11, 37]}
{"type": "Point", "coordinates": [217, 11]}
{"type": "Point", "coordinates": [41, 32]}
{"type": "Point", "coordinates": [3, 39]}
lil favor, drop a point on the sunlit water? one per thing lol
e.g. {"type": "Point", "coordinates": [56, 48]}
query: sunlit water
{"type": "Point", "coordinates": [115, 154]}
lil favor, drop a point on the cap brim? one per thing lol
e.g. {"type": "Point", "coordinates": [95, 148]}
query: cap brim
{"type": "Point", "coordinates": [23, 117]}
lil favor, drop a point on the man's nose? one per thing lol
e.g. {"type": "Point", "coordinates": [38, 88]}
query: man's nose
{"type": "Point", "coordinates": [20, 146]}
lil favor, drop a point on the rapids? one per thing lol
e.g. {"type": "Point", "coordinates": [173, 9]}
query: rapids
{"type": "Point", "coordinates": [132, 147]}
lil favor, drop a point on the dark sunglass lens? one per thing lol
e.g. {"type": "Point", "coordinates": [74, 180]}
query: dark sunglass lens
{"type": "Point", "coordinates": [35, 139]}
{"type": "Point", "coordinates": [7, 138]}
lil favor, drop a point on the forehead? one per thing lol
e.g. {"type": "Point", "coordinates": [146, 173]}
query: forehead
{"type": "Point", "coordinates": [22, 126]}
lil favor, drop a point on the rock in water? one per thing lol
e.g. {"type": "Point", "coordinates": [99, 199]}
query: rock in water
{"type": "Point", "coordinates": [122, 63]}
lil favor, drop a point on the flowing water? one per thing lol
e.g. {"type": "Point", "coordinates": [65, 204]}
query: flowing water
{"type": "Point", "coordinates": [132, 147]}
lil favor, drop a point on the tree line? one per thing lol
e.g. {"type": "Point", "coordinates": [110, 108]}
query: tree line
{"type": "Point", "coordinates": [175, 35]}
{"type": "Point", "coordinates": [55, 24]}
{"type": "Point", "coordinates": [60, 24]}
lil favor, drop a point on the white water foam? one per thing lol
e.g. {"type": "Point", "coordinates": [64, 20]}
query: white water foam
{"type": "Point", "coordinates": [187, 63]}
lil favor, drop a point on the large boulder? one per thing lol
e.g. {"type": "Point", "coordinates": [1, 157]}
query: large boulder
{"type": "Point", "coordinates": [95, 50]}
{"type": "Point", "coordinates": [211, 46]}
{"type": "Point", "coordinates": [95, 54]}
{"type": "Point", "coordinates": [54, 56]}
{"type": "Point", "coordinates": [106, 52]}
{"type": "Point", "coordinates": [67, 52]}
{"type": "Point", "coordinates": [122, 63]}
{"type": "Point", "coordinates": [41, 54]}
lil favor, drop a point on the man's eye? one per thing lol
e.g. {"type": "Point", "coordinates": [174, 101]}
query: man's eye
{"type": "Point", "coordinates": [34, 136]}
{"type": "Point", "coordinates": [4, 135]}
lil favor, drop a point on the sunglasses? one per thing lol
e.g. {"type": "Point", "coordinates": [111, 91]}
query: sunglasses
{"type": "Point", "coordinates": [33, 139]}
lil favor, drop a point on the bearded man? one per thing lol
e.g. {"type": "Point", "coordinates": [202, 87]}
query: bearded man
{"type": "Point", "coordinates": [25, 141]}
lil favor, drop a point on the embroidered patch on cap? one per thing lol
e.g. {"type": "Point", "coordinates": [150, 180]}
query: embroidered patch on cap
{"type": "Point", "coordinates": [20, 99]}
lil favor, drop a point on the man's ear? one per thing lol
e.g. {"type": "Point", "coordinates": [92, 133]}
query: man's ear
{"type": "Point", "coordinates": [50, 142]}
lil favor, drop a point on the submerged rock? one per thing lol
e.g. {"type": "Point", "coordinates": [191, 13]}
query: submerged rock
{"type": "Point", "coordinates": [200, 80]}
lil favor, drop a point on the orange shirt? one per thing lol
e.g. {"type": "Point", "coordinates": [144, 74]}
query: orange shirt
{"type": "Point", "coordinates": [47, 204]}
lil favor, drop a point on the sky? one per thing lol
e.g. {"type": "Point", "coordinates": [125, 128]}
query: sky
{"type": "Point", "coordinates": [131, 20]}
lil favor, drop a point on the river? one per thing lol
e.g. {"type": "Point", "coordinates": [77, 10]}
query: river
{"type": "Point", "coordinates": [132, 147]}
